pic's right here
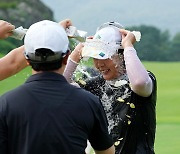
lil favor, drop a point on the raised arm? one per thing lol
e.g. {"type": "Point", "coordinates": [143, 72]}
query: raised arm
{"type": "Point", "coordinates": [140, 81]}
{"type": "Point", "coordinates": [12, 63]}
{"type": "Point", "coordinates": [15, 61]}
{"type": "Point", "coordinates": [72, 63]}
{"type": "Point", "coordinates": [5, 29]}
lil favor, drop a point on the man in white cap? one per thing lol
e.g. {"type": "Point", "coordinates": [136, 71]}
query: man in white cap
{"type": "Point", "coordinates": [127, 91]}
{"type": "Point", "coordinates": [15, 61]}
{"type": "Point", "coordinates": [47, 115]}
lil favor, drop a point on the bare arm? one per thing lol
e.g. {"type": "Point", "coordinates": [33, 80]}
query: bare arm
{"type": "Point", "coordinates": [5, 29]}
{"type": "Point", "coordinates": [15, 61]}
{"type": "Point", "coordinates": [12, 63]}
{"type": "Point", "coordinates": [140, 81]}
{"type": "Point", "coordinates": [111, 150]}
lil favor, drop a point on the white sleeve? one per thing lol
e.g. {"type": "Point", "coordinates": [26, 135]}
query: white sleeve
{"type": "Point", "coordinates": [69, 70]}
{"type": "Point", "coordinates": [139, 79]}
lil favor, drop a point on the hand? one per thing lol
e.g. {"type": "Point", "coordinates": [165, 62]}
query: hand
{"type": "Point", "coordinates": [76, 54]}
{"type": "Point", "coordinates": [65, 23]}
{"type": "Point", "coordinates": [90, 37]}
{"type": "Point", "coordinates": [128, 38]}
{"type": "Point", "coordinates": [5, 29]}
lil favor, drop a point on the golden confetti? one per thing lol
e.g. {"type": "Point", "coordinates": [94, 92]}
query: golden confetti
{"type": "Point", "coordinates": [82, 82]}
{"type": "Point", "coordinates": [117, 143]}
{"type": "Point", "coordinates": [129, 122]}
{"type": "Point", "coordinates": [128, 116]}
{"type": "Point", "coordinates": [132, 105]}
{"type": "Point", "coordinates": [120, 99]}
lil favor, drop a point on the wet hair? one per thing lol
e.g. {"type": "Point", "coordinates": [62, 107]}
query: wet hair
{"type": "Point", "coordinates": [44, 65]}
{"type": "Point", "coordinates": [121, 53]}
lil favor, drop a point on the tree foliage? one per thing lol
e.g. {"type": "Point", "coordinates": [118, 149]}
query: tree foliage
{"type": "Point", "coordinates": [156, 45]}
{"type": "Point", "coordinates": [175, 48]}
{"type": "Point", "coordinates": [8, 44]}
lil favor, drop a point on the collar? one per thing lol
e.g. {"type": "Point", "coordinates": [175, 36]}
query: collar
{"type": "Point", "coordinates": [46, 76]}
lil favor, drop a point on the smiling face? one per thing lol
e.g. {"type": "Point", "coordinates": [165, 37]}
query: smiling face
{"type": "Point", "coordinates": [110, 68]}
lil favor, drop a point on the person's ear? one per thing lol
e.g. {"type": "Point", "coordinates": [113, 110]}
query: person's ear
{"type": "Point", "coordinates": [66, 58]}
{"type": "Point", "coordinates": [27, 62]}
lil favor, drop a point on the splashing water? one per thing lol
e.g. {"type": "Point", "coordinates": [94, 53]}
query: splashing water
{"type": "Point", "coordinates": [84, 72]}
{"type": "Point", "coordinates": [113, 93]}
{"type": "Point", "coordinates": [80, 69]}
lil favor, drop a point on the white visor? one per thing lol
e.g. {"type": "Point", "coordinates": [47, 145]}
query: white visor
{"type": "Point", "coordinates": [105, 43]}
{"type": "Point", "coordinates": [99, 49]}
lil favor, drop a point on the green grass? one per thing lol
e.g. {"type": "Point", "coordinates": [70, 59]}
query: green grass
{"type": "Point", "coordinates": [15, 80]}
{"type": "Point", "coordinates": [168, 106]}
{"type": "Point", "coordinates": [167, 138]}
{"type": "Point", "coordinates": [168, 79]}
{"type": "Point", "coordinates": [168, 103]}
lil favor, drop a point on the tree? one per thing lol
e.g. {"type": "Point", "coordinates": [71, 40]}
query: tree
{"type": "Point", "coordinates": [6, 46]}
{"type": "Point", "coordinates": [153, 45]}
{"type": "Point", "coordinates": [175, 48]}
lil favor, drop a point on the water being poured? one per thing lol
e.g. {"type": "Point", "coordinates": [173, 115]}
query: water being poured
{"type": "Point", "coordinates": [84, 72]}
{"type": "Point", "coordinates": [114, 94]}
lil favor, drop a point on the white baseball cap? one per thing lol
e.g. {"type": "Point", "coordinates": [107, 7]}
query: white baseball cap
{"type": "Point", "coordinates": [104, 44]}
{"type": "Point", "coordinates": [45, 34]}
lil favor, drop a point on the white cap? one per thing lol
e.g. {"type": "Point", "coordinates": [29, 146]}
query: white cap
{"type": "Point", "coordinates": [45, 34]}
{"type": "Point", "coordinates": [104, 44]}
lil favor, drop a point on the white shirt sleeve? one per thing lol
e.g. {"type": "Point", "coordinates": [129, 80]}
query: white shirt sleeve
{"type": "Point", "coordinates": [69, 70]}
{"type": "Point", "coordinates": [139, 79]}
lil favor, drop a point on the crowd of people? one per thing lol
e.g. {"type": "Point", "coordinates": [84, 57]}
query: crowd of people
{"type": "Point", "coordinates": [52, 112]}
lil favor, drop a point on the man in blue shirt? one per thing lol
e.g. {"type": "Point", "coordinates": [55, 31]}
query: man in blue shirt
{"type": "Point", "coordinates": [46, 114]}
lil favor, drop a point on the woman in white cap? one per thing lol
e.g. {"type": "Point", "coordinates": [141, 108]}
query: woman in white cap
{"type": "Point", "coordinates": [127, 91]}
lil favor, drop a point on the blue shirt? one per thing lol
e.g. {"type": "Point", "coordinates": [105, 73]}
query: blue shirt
{"type": "Point", "coordinates": [47, 115]}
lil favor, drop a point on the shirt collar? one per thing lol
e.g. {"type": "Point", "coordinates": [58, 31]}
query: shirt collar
{"type": "Point", "coordinates": [46, 76]}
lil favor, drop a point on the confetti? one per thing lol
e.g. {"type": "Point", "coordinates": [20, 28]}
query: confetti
{"type": "Point", "coordinates": [132, 105]}
{"type": "Point", "coordinates": [120, 99]}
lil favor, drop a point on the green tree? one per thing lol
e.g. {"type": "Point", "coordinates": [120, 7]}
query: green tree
{"type": "Point", "coordinates": [153, 45]}
{"type": "Point", "coordinates": [6, 46]}
{"type": "Point", "coordinates": [175, 48]}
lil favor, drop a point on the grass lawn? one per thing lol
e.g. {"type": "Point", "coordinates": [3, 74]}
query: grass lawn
{"type": "Point", "coordinates": [168, 106]}
{"type": "Point", "coordinates": [168, 103]}
{"type": "Point", "coordinates": [167, 138]}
